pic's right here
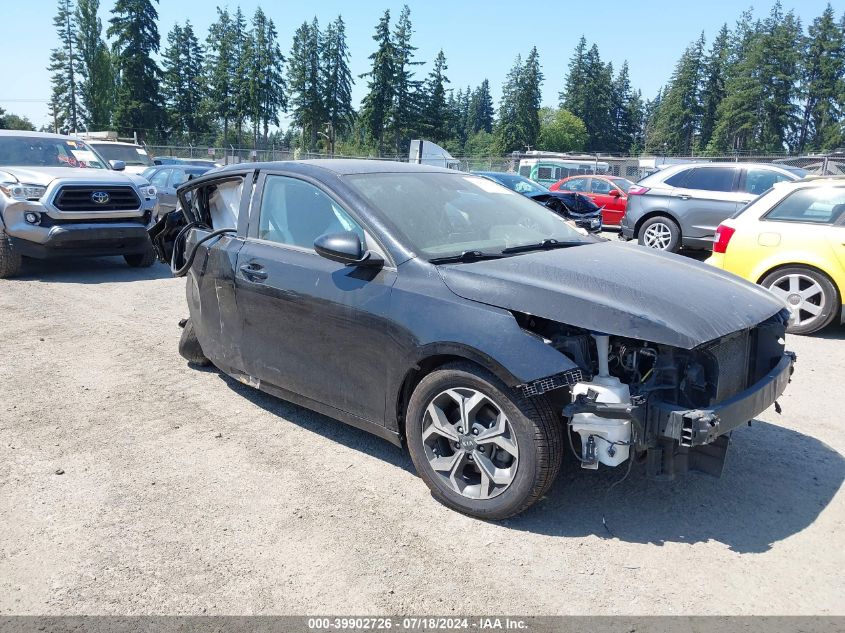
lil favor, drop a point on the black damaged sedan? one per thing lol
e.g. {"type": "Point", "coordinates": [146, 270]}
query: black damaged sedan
{"type": "Point", "coordinates": [448, 314]}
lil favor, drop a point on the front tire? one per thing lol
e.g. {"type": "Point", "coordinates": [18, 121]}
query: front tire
{"type": "Point", "coordinates": [141, 260]}
{"type": "Point", "coordinates": [10, 259]}
{"type": "Point", "coordinates": [481, 448]}
{"type": "Point", "coordinates": [660, 233]}
{"type": "Point", "coordinates": [811, 296]}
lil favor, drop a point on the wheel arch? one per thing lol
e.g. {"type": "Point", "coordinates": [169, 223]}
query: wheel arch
{"type": "Point", "coordinates": [809, 266]}
{"type": "Point", "coordinates": [432, 359]}
{"type": "Point", "coordinates": [798, 264]}
{"type": "Point", "coordinates": [651, 214]}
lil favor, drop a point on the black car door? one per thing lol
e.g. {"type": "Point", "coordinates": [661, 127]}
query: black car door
{"type": "Point", "coordinates": [217, 204]}
{"type": "Point", "coordinates": [311, 326]}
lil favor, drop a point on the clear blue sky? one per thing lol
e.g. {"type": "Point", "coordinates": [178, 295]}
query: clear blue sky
{"type": "Point", "coordinates": [480, 38]}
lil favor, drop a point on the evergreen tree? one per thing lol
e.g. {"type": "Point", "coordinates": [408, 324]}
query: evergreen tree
{"type": "Point", "coordinates": [508, 136]}
{"type": "Point", "coordinates": [96, 75]}
{"type": "Point", "coordinates": [637, 118]}
{"type": "Point", "coordinates": [242, 62]}
{"type": "Point", "coordinates": [823, 73]}
{"type": "Point", "coordinates": [136, 40]}
{"type": "Point", "coordinates": [481, 109]}
{"type": "Point", "coordinates": [780, 43]}
{"type": "Point", "coordinates": [375, 109]}
{"type": "Point", "coordinates": [713, 89]}
{"type": "Point", "coordinates": [404, 111]}
{"type": "Point", "coordinates": [221, 67]}
{"type": "Point", "coordinates": [739, 113]}
{"type": "Point", "coordinates": [574, 97]}
{"type": "Point", "coordinates": [182, 81]}
{"type": "Point", "coordinates": [435, 114]}
{"type": "Point", "coordinates": [336, 78]}
{"type": "Point", "coordinates": [624, 112]}
{"type": "Point", "coordinates": [529, 97]}
{"type": "Point", "coordinates": [65, 103]}
{"type": "Point", "coordinates": [678, 119]}
{"type": "Point", "coordinates": [598, 104]}
{"type": "Point", "coordinates": [589, 95]}
{"type": "Point", "coordinates": [307, 106]}
{"type": "Point", "coordinates": [267, 88]}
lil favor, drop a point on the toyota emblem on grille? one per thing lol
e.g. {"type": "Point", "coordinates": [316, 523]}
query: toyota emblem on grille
{"type": "Point", "coordinates": [100, 197]}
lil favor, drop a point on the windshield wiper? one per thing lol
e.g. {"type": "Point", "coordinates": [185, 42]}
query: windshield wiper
{"type": "Point", "coordinates": [546, 244]}
{"type": "Point", "coordinates": [466, 256]}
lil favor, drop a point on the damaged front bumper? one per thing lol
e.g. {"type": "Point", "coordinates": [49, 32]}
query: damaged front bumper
{"type": "Point", "coordinates": [696, 427]}
{"type": "Point", "coordinates": [677, 439]}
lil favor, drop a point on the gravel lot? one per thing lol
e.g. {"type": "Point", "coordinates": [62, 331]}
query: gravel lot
{"type": "Point", "coordinates": [184, 492]}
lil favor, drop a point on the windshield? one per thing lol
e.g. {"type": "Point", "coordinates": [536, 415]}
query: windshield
{"type": "Point", "coordinates": [520, 184]}
{"type": "Point", "coordinates": [623, 183]}
{"type": "Point", "coordinates": [443, 215]}
{"type": "Point", "coordinates": [36, 151]}
{"type": "Point", "coordinates": [129, 154]}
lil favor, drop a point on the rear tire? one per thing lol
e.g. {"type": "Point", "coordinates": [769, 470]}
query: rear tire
{"type": "Point", "coordinates": [491, 461]}
{"type": "Point", "coordinates": [811, 296]}
{"type": "Point", "coordinates": [10, 259]}
{"type": "Point", "coordinates": [190, 348]}
{"type": "Point", "coordinates": [660, 233]}
{"type": "Point", "coordinates": [141, 260]}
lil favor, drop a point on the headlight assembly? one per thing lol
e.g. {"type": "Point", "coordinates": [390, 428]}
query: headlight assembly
{"type": "Point", "coordinates": [22, 191]}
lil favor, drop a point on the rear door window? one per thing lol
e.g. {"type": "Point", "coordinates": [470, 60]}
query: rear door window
{"type": "Point", "coordinates": [758, 181]}
{"type": "Point", "coordinates": [813, 205]}
{"type": "Point", "coordinates": [710, 179]}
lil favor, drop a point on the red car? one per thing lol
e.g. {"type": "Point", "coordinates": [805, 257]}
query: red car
{"type": "Point", "coordinates": [609, 192]}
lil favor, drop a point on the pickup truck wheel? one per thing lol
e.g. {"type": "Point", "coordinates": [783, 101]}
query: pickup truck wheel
{"type": "Point", "coordinates": [660, 233]}
{"type": "Point", "coordinates": [810, 295]}
{"type": "Point", "coordinates": [190, 348]}
{"type": "Point", "coordinates": [10, 259]}
{"type": "Point", "coordinates": [481, 448]}
{"type": "Point", "coordinates": [141, 260]}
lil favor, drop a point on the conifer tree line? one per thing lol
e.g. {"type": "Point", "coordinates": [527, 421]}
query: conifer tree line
{"type": "Point", "coordinates": [766, 85]}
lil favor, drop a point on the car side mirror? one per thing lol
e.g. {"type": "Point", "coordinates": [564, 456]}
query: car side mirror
{"type": "Point", "coordinates": [615, 193]}
{"type": "Point", "coordinates": [117, 165]}
{"type": "Point", "coordinates": [346, 248]}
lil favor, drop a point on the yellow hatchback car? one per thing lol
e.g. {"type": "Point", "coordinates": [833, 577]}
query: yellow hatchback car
{"type": "Point", "coordinates": [792, 241]}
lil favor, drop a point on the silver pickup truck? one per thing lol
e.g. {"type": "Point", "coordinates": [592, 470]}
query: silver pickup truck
{"type": "Point", "coordinates": [58, 198]}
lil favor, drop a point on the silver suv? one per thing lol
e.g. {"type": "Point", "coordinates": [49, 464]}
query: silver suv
{"type": "Point", "coordinates": [683, 204]}
{"type": "Point", "coordinates": [58, 197]}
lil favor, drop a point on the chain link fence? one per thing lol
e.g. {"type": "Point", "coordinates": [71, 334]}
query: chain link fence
{"type": "Point", "coordinates": [631, 167]}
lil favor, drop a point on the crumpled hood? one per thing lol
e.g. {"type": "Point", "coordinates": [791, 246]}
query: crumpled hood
{"type": "Point", "coordinates": [46, 175]}
{"type": "Point", "coordinates": [618, 289]}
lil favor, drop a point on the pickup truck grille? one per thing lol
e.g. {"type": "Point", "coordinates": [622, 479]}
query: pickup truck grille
{"type": "Point", "coordinates": [80, 198]}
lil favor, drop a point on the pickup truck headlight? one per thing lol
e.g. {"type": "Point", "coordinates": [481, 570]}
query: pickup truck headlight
{"type": "Point", "coordinates": [149, 191]}
{"type": "Point", "coordinates": [22, 191]}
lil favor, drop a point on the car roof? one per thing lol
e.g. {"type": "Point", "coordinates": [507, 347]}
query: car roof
{"type": "Point", "coordinates": [341, 166]}
{"type": "Point", "coordinates": [29, 134]}
{"type": "Point", "coordinates": [101, 141]}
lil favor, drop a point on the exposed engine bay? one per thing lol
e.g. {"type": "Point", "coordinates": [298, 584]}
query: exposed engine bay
{"type": "Point", "coordinates": [653, 402]}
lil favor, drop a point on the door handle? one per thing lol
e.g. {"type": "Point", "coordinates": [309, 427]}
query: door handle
{"type": "Point", "coordinates": [684, 196]}
{"type": "Point", "coordinates": [253, 272]}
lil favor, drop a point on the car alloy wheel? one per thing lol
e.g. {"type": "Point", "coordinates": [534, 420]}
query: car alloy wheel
{"type": "Point", "coordinates": [803, 295]}
{"type": "Point", "coordinates": [469, 443]}
{"type": "Point", "coordinates": [657, 235]}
